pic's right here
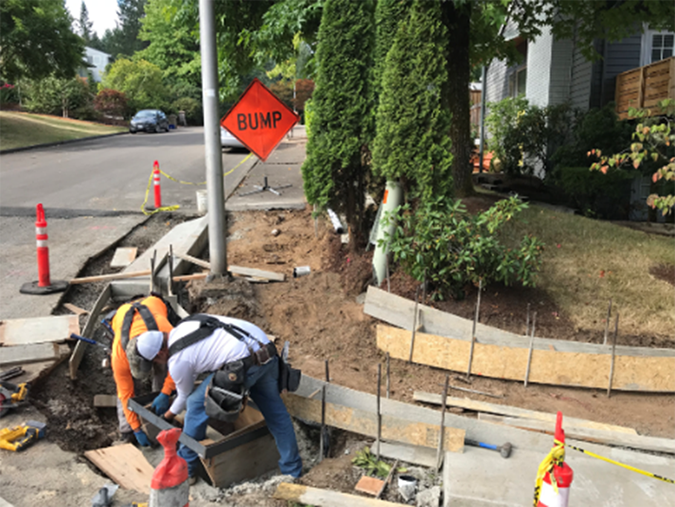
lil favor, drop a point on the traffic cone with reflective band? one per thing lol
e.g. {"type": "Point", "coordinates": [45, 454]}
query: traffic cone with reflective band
{"type": "Point", "coordinates": [156, 183]}
{"type": "Point", "coordinates": [554, 477]}
{"type": "Point", "coordinates": [170, 486]}
{"type": "Point", "coordinates": [44, 284]}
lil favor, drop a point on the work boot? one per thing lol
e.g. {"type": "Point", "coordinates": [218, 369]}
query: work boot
{"type": "Point", "coordinates": [128, 437]}
{"type": "Point", "coordinates": [192, 480]}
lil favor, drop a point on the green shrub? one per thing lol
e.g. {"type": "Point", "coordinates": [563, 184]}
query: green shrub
{"type": "Point", "coordinates": [57, 96]}
{"type": "Point", "coordinates": [192, 108]}
{"type": "Point", "coordinates": [595, 194]}
{"type": "Point", "coordinates": [443, 244]}
{"type": "Point", "coordinates": [309, 114]}
{"type": "Point", "coordinates": [524, 136]}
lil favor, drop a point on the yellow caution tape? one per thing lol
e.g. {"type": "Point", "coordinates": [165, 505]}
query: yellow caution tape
{"type": "Point", "coordinates": [555, 457]}
{"type": "Point", "coordinates": [168, 176]}
{"type": "Point", "coordinates": [627, 467]}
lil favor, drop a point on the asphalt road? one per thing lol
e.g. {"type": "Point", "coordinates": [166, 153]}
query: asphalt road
{"type": "Point", "coordinates": [110, 174]}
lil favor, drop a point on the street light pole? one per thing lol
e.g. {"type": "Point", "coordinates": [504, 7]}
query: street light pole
{"type": "Point", "coordinates": [213, 151]}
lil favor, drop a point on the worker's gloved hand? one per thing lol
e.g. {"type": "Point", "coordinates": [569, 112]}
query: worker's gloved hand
{"type": "Point", "coordinates": [161, 404]}
{"type": "Point", "coordinates": [142, 438]}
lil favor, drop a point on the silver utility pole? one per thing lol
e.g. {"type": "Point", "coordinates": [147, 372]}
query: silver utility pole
{"type": "Point", "coordinates": [212, 148]}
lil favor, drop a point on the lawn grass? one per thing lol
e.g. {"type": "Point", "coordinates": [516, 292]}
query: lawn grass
{"type": "Point", "coordinates": [586, 262]}
{"type": "Point", "coordinates": [18, 130]}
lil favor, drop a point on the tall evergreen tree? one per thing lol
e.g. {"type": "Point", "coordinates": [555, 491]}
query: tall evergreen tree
{"type": "Point", "coordinates": [84, 24]}
{"type": "Point", "coordinates": [413, 117]}
{"type": "Point", "coordinates": [123, 39]}
{"type": "Point", "coordinates": [334, 171]}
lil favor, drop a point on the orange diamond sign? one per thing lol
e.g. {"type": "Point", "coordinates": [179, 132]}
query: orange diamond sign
{"type": "Point", "coordinates": [259, 119]}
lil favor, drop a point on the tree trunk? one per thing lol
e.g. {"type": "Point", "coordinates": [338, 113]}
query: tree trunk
{"type": "Point", "coordinates": [457, 19]}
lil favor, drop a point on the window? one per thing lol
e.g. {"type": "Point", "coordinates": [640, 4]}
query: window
{"type": "Point", "coordinates": [518, 81]}
{"type": "Point", "coordinates": [662, 46]}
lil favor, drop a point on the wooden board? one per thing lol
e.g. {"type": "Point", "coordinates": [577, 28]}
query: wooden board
{"type": "Point", "coordinates": [365, 423]}
{"type": "Point", "coordinates": [306, 495]}
{"type": "Point", "coordinates": [493, 408]}
{"type": "Point", "coordinates": [642, 373]}
{"type": "Point", "coordinates": [34, 353]}
{"type": "Point", "coordinates": [105, 400]}
{"type": "Point", "coordinates": [88, 331]}
{"type": "Point", "coordinates": [256, 273]}
{"type": "Point", "coordinates": [75, 309]}
{"type": "Point", "coordinates": [369, 485]}
{"type": "Point", "coordinates": [590, 435]}
{"type": "Point", "coordinates": [125, 465]}
{"type": "Point", "coordinates": [409, 454]}
{"type": "Point", "coordinates": [398, 311]}
{"type": "Point", "coordinates": [124, 256]}
{"type": "Point", "coordinates": [107, 278]}
{"type": "Point", "coordinates": [55, 328]}
{"type": "Point", "coordinates": [193, 260]}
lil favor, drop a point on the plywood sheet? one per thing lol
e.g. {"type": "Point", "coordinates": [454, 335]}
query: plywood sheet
{"type": "Point", "coordinates": [125, 465]}
{"type": "Point", "coordinates": [33, 353]}
{"type": "Point", "coordinates": [55, 328]}
{"type": "Point", "coordinates": [398, 311]}
{"type": "Point", "coordinates": [643, 373]}
{"type": "Point", "coordinates": [365, 423]}
{"type": "Point", "coordinates": [493, 408]}
{"type": "Point", "coordinates": [123, 257]}
{"type": "Point", "coordinates": [256, 273]}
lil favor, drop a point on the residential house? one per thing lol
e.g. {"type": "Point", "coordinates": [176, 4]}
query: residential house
{"type": "Point", "coordinates": [553, 71]}
{"type": "Point", "coordinates": [97, 60]}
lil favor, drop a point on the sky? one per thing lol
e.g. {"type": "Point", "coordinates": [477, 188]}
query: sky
{"type": "Point", "coordinates": [103, 13]}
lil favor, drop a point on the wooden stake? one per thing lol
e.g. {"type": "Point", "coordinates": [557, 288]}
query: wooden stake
{"type": "Point", "coordinates": [439, 450]}
{"type": "Point", "coordinates": [609, 314]}
{"type": "Point", "coordinates": [323, 422]}
{"type": "Point", "coordinates": [529, 354]}
{"type": "Point", "coordinates": [388, 376]}
{"type": "Point", "coordinates": [473, 332]}
{"type": "Point", "coordinates": [379, 414]}
{"type": "Point", "coordinates": [327, 371]}
{"type": "Point", "coordinates": [387, 480]}
{"type": "Point", "coordinates": [153, 264]}
{"type": "Point", "coordinates": [386, 267]}
{"type": "Point", "coordinates": [170, 280]}
{"type": "Point", "coordinates": [611, 368]}
{"type": "Point", "coordinates": [414, 329]}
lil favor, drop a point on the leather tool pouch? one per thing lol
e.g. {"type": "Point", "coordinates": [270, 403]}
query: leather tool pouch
{"type": "Point", "coordinates": [225, 395]}
{"type": "Point", "coordinates": [289, 378]}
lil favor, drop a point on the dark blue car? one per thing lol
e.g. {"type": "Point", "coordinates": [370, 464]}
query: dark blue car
{"type": "Point", "coordinates": [149, 120]}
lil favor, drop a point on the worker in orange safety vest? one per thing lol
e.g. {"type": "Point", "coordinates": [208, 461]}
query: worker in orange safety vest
{"type": "Point", "coordinates": [150, 315]}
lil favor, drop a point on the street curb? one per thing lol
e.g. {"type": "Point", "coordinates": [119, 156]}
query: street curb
{"type": "Point", "coordinates": [57, 143]}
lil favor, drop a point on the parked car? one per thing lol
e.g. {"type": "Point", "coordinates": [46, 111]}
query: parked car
{"type": "Point", "coordinates": [227, 140]}
{"type": "Point", "coordinates": [149, 120]}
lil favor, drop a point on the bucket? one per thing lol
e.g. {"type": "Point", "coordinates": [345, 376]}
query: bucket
{"type": "Point", "coordinates": [202, 202]}
{"type": "Point", "coordinates": [407, 485]}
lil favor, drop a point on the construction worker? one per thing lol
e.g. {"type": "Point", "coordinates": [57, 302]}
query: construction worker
{"type": "Point", "coordinates": [238, 360]}
{"type": "Point", "coordinates": [147, 317]}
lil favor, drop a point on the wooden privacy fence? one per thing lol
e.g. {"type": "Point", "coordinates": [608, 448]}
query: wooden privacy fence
{"type": "Point", "coordinates": [645, 87]}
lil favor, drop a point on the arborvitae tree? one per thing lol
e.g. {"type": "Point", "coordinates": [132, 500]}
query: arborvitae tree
{"type": "Point", "coordinates": [388, 14]}
{"type": "Point", "coordinates": [334, 171]}
{"type": "Point", "coordinates": [413, 118]}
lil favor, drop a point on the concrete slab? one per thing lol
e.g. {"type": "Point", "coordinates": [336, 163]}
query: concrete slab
{"type": "Point", "coordinates": [72, 241]}
{"type": "Point", "coordinates": [481, 478]}
{"type": "Point", "coordinates": [282, 168]}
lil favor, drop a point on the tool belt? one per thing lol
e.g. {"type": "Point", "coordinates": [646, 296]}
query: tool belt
{"type": "Point", "coordinates": [226, 393]}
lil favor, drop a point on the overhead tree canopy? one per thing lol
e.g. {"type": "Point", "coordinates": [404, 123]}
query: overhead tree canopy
{"type": "Point", "coordinates": [37, 40]}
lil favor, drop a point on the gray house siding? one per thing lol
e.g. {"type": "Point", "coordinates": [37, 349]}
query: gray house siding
{"type": "Point", "coordinates": [619, 57]}
{"type": "Point", "coordinates": [539, 69]}
{"type": "Point", "coordinates": [580, 87]}
{"type": "Point", "coordinates": [497, 81]}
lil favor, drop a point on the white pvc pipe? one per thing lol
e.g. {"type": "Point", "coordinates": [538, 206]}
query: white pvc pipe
{"type": "Point", "coordinates": [337, 225]}
{"type": "Point", "coordinates": [391, 200]}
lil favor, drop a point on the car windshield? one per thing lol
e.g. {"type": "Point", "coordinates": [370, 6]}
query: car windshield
{"type": "Point", "coordinates": [145, 114]}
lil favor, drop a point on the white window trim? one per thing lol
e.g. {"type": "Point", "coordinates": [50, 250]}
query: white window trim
{"type": "Point", "coordinates": [646, 45]}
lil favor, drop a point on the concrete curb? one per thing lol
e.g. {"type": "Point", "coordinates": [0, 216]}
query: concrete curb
{"type": "Point", "coordinates": [57, 143]}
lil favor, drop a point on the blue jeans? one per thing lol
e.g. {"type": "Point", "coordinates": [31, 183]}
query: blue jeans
{"type": "Point", "coordinates": [263, 386]}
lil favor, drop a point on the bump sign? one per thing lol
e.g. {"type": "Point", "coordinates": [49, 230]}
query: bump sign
{"type": "Point", "coordinates": [259, 119]}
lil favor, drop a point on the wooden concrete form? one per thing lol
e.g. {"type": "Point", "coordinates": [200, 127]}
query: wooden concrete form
{"type": "Point", "coordinates": [641, 373]}
{"type": "Point", "coordinates": [88, 331]}
{"type": "Point", "coordinates": [417, 455]}
{"type": "Point", "coordinates": [475, 430]}
{"type": "Point", "coordinates": [123, 256]}
{"type": "Point", "coordinates": [493, 408]}
{"type": "Point", "coordinates": [55, 328]}
{"type": "Point", "coordinates": [398, 311]}
{"type": "Point", "coordinates": [307, 495]}
{"type": "Point", "coordinates": [364, 422]}
{"type": "Point", "coordinates": [640, 442]}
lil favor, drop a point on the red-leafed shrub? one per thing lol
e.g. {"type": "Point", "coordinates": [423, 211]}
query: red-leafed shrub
{"type": "Point", "coordinates": [111, 103]}
{"type": "Point", "coordinates": [303, 92]}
